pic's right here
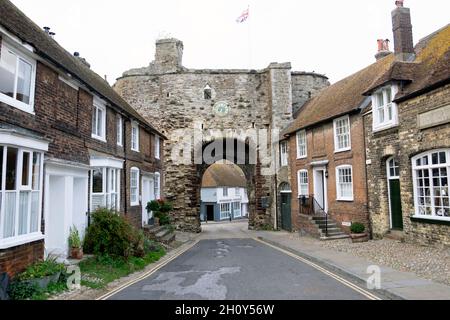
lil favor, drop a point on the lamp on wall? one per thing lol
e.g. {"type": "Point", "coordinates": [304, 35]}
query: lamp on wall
{"type": "Point", "coordinates": [326, 174]}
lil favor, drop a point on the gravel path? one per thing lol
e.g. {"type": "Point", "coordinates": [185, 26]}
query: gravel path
{"type": "Point", "coordinates": [426, 262]}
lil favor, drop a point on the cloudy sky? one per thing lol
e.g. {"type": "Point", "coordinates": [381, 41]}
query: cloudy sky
{"type": "Point", "coordinates": [333, 37]}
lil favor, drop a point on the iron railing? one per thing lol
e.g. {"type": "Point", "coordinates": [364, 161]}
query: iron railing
{"type": "Point", "coordinates": [309, 206]}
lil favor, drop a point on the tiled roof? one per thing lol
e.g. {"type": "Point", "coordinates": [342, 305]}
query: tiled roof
{"type": "Point", "coordinates": [224, 175]}
{"type": "Point", "coordinates": [340, 98]}
{"type": "Point", "coordinates": [18, 24]}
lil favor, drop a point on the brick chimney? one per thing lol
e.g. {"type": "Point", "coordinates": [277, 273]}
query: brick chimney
{"type": "Point", "coordinates": [403, 36]}
{"type": "Point", "coordinates": [383, 49]}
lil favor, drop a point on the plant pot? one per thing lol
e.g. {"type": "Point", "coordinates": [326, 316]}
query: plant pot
{"type": "Point", "coordinates": [359, 238]}
{"type": "Point", "coordinates": [43, 283]}
{"type": "Point", "coordinates": [156, 222]}
{"type": "Point", "coordinates": [76, 253]}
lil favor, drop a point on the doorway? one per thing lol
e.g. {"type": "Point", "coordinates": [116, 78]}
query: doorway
{"type": "Point", "coordinates": [148, 195]}
{"type": "Point", "coordinates": [210, 213]}
{"type": "Point", "coordinates": [320, 190]}
{"type": "Point", "coordinates": [394, 194]}
{"type": "Point", "coordinates": [285, 204]}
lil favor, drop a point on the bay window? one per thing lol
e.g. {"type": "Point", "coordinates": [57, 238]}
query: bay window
{"type": "Point", "coordinates": [344, 183]}
{"type": "Point", "coordinates": [21, 172]}
{"type": "Point", "coordinates": [431, 191]}
{"type": "Point", "coordinates": [134, 186]}
{"type": "Point", "coordinates": [385, 114]}
{"type": "Point", "coordinates": [105, 188]}
{"type": "Point", "coordinates": [17, 78]}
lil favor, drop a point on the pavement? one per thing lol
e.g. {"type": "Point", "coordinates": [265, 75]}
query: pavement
{"type": "Point", "coordinates": [230, 262]}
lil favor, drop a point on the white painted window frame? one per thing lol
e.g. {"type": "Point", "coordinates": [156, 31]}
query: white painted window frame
{"type": "Point", "coordinates": [430, 167]}
{"type": "Point", "coordinates": [20, 54]}
{"type": "Point", "coordinates": [157, 147]}
{"type": "Point", "coordinates": [224, 212]}
{"type": "Point", "coordinates": [225, 192]}
{"type": "Point", "coordinates": [337, 149]}
{"type": "Point", "coordinates": [135, 137]}
{"type": "Point", "coordinates": [284, 155]}
{"type": "Point", "coordinates": [302, 141]}
{"type": "Point", "coordinates": [379, 125]}
{"type": "Point", "coordinates": [99, 105]}
{"type": "Point", "coordinates": [301, 175]}
{"type": "Point", "coordinates": [119, 129]}
{"type": "Point", "coordinates": [17, 239]}
{"type": "Point", "coordinates": [136, 171]}
{"type": "Point", "coordinates": [157, 186]}
{"type": "Point", "coordinates": [338, 184]}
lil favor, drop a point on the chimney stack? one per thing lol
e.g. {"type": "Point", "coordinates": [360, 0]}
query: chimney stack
{"type": "Point", "coordinates": [383, 49]}
{"type": "Point", "coordinates": [82, 60]}
{"type": "Point", "coordinates": [403, 35]}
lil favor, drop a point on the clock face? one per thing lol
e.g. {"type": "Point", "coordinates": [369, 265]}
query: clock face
{"type": "Point", "coordinates": [221, 108]}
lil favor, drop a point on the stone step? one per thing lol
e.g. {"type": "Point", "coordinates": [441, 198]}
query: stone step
{"type": "Point", "coordinates": [331, 230]}
{"type": "Point", "coordinates": [154, 229]}
{"type": "Point", "coordinates": [161, 234]}
{"type": "Point", "coordinates": [168, 238]}
{"type": "Point", "coordinates": [395, 235]}
{"type": "Point", "coordinates": [335, 237]}
{"type": "Point", "coordinates": [330, 225]}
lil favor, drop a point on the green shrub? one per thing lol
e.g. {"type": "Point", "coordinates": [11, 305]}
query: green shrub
{"type": "Point", "coordinates": [161, 206]}
{"type": "Point", "coordinates": [357, 228]}
{"type": "Point", "coordinates": [112, 234]}
{"type": "Point", "coordinates": [41, 270]}
{"type": "Point", "coordinates": [164, 219]}
{"type": "Point", "coordinates": [74, 238]}
{"type": "Point", "coordinates": [23, 290]}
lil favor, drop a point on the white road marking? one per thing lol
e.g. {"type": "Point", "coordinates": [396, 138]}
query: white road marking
{"type": "Point", "coordinates": [347, 283]}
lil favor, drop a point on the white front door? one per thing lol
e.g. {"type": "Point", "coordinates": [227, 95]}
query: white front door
{"type": "Point", "coordinates": [148, 195]}
{"type": "Point", "coordinates": [320, 189]}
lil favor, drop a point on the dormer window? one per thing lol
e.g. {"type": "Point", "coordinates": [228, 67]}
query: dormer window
{"type": "Point", "coordinates": [385, 114]}
{"type": "Point", "coordinates": [207, 92]}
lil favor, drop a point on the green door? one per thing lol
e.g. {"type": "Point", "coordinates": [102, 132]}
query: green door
{"type": "Point", "coordinates": [396, 205]}
{"type": "Point", "coordinates": [286, 220]}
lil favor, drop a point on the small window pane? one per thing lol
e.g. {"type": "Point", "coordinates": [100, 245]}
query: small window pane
{"type": "Point", "coordinates": [11, 168]}
{"type": "Point", "coordinates": [442, 158]}
{"type": "Point", "coordinates": [36, 171]}
{"type": "Point", "coordinates": [26, 169]}
{"type": "Point", "coordinates": [97, 181]}
{"type": "Point", "coordinates": [94, 120]}
{"type": "Point", "coordinates": [389, 95]}
{"type": "Point", "coordinates": [7, 72]}
{"type": "Point", "coordinates": [24, 81]}
{"type": "Point", "coordinates": [100, 122]}
{"type": "Point", "coordinates": [1, 167]}
{"type": "Point", "coordinates": [23, 212]}
{"type": "Point", "coordinates": [435, 158]}
{"type": "Point", "coordinates": [380, 99]}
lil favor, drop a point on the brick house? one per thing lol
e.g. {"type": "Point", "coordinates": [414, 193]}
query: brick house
{"type": "Point", "coordinates": [68, 145]}
{"type": "Point", "coordinates": [328, 156]}
{"type": "Point", "coordinates": [408, 138]}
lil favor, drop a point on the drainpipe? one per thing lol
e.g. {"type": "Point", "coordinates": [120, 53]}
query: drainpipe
{"type": "Point", "coordinates": [367, 185]}
{"type": "Point", "coordinates": [125, 176]}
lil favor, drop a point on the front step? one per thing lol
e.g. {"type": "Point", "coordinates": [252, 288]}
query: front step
{"type": "Point", "coordinates": [336, 237]}
{"type": "Point", "coordinates": [160, 234]}
{"type": "Point", "coordinates": [395, 235]}
{"type": "Point", "coordinates": [329, 229]}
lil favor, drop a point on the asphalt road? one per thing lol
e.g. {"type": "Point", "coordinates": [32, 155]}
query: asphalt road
{"type": "Point", "coordinates": [237, 269]}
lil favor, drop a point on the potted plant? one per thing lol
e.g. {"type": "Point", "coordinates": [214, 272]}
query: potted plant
{"type": "Point", "coordinates": [358, 233]}
{"type": "Point", "coordinates": [160, 209]}
{"type": "Point", "coordinates": [76, 250]}
{"type": "Point", "coordinates": [43, 273]}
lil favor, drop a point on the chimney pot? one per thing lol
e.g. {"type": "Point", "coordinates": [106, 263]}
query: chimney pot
{"type": "Point", "coordinates": [76, 54]}
{"type": "Point", "coordinates": [399, 3]}
{"type": "Point", "coordinates": [47, 29]}
{"type": "Point", "coordinates": [383, 49]}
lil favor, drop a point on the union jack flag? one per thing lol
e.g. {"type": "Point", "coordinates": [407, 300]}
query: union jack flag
{"type": "Point", "coordinates": [244, 16]}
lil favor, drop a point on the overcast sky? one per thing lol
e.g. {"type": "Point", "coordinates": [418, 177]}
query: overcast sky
{"type": "Point", "coordinates": [333, 37]}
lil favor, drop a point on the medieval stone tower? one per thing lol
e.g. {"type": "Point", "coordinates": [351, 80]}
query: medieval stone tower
{"type": "Point", "coordinates": [220, 105]}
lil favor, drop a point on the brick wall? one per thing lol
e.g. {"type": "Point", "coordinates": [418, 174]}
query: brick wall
{"type": "Point", "coordinates": [320, 141]}
{"type": "Point", "coordinates": [17, 259]}
{"type": "Point", "coordinates": [405, 142]}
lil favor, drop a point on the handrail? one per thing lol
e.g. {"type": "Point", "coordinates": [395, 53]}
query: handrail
{"type": "Point", "coordinates": [310, 206]}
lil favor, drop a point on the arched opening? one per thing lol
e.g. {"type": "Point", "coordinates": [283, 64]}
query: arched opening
{"type": "Point", "coordinates": [224, 194]}
{"type": "Point", "coordinates": [244, 155]}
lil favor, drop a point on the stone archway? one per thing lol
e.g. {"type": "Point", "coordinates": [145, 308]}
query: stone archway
{"type": "Point", "coordinates": [244, 155]}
